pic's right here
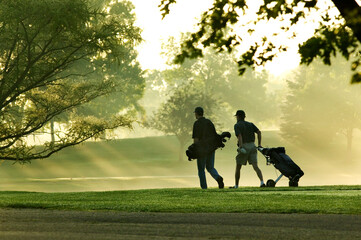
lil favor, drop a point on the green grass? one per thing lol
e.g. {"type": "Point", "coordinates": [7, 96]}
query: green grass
{"type": "Point", "coordinates": [152, 162]}
{"type": "Point", "coordinates": [158, 156]}
{"type": "Point", "coordinates": [310, 200]}
{"type": "Point", "coordinates": [124, 157]}
{"type": "Point", "coordinates": [99, 159]}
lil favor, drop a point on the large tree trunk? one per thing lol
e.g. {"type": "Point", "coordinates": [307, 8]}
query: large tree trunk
{"type": "Point", "coordinates": [350, 10]}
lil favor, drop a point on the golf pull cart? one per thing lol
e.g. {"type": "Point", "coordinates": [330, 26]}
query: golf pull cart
{"type": "Point", "coordinates": [283, 163]}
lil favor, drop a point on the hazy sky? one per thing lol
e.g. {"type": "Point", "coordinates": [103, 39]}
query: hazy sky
{"type": "Point", "coordinates": [183, 18]}
{"type": "Point", "coordinates": [156, 30]}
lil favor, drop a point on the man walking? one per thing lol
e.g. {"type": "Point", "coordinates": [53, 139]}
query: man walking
{"type": "Point", "coordinates": [247, 151]}
{"type": "Point", "coordinates": [204, 134]}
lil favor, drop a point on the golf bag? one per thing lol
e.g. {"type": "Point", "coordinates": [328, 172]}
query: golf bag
{"type": "Point", "coordinates": [281, 161]}
{"type": "Point", "coordinates": [207, 146]}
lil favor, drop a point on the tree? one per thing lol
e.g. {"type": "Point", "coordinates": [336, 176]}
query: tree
{"type": "Point", "coordinates": [320, 106]}
{"type": "Point", "coordinates": [176, 117]}
{"type": "Point", "coordinates": [224, 27]}
{"type": "Point", "coordinates": [213, 79]}
{"type": "Point", "coordinates": [52, 55]}
{"type": "Point", "coordinates": [219, 76]}
{"type": "Point", "coordinates": [125, 94]}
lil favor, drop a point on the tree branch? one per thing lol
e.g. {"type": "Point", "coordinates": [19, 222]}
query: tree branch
{"type": "Point", "coordinates": [351, 12]}
{"type": "Point", "coordinates": [51, 149]}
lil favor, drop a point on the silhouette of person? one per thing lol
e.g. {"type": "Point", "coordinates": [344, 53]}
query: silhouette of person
{"type": "Point", "coordinates": [204, 133]}
{"type": "Point", "coordinates": [247, 151]}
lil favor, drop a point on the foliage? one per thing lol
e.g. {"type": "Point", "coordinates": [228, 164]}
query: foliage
{"type": "Point", "coordinates": [176, 115]}
{"type": "Point", "coordinates": [219, 76]}
{"type": "Point", "coordinates": [206, 80]}
{"type": "Point", "coordinates": [223, 27]}
{"type": "Point", "coordinates": [51, 56]}
{"type": "Point", "coordinates": [320, 106]}
{"type": "Point", "coordinates": [125, 71]}
{"type": "Point", "coordinates": [311, 200]}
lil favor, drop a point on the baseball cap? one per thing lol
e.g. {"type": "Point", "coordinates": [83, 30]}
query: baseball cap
{"type": "Point", "coordinates": [199, 110]}
{"type": "Point", "coordinates": [240, 113]}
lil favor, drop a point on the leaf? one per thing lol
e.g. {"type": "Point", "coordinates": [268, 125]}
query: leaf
{"type": "Point", "coordinates": [356, 78]}
{"type": "Point", "coordinates": [241, 70]}
{"type": "Point", "coordinates": [311, 4]}
{"type": "Point", "coordinates": [164, 7]}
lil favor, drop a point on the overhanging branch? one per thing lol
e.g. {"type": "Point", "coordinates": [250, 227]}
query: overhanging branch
{"type": "Point", "coordinates": [351, 12]}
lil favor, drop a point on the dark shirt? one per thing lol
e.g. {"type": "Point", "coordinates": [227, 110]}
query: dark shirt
{"type": "Point", "coordinates": [203, 129]}
{"type": "Point", "coordinates": [247, 131]}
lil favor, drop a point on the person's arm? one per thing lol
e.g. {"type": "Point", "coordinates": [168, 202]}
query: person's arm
{"type": "Point", "coordinates": [196, 132]}
{"type": "Point", "coordinates": [259, 137]}
{"type": "Point", "coordinates": [240, 141]}
{"type": "Point", "coordinates": [240, 148]}
{"type": "Point", "coordinates": [237, 133]}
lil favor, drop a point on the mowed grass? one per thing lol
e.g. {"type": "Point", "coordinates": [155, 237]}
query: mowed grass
{"type": "Point", "coordinates": [310, 200]}
{"type": "Point", "coordinates": [124, 157]}
{"type": "Point", "coordinates": [152, 162]}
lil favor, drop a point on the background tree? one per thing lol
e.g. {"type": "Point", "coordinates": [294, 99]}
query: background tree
{"type": "Point", "coordinates": [176, 115]}
{"type": "Point", "coordinates": [321, 106]}
{"type": "Point", "coordinates": [219, 76]}
{"type": "Point", "coordinates": [50, 56]}
{"type": "Point", "coordinates": [126, 93]}
{"type": "Point", "coordinates": [209, 81]}
{"type": "Point", "coordinates": [225, 27]}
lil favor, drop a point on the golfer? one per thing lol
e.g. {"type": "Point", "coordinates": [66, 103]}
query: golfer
{"type": "Point", "coordinates": [204, 134]}
{"type": "Point", "coordinates": [247, 151]}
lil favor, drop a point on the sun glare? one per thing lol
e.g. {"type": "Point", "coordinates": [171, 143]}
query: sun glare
{"type": "Point", "coordinates": [183, 18]}
{"type": "Point", "coordinates": [157, 30]}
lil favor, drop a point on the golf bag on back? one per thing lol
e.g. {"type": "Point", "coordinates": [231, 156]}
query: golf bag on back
{"type": "Point", "coordinates": [205, 147]}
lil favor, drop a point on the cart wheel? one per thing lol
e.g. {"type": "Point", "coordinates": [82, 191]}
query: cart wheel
{"type": "Point", "coordinates": [270, 183]}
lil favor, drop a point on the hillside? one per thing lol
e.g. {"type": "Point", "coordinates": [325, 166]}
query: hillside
{"type": "Point", "coordinates": [152, 162]}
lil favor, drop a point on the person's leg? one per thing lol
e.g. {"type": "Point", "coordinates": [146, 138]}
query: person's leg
{"type": "Point", "coordinates": [241, 159]}
{"type": "Point", "coordinates": [237, 175]}
{"type": "Point", "coordinates": [201, 164]}
{"type": "Point", "coordinates": [210, 166]}
{"type": "Point", "coordinates": [258, 171]}
{"type": "Point", "coordinates": [213, 171]}
{"type": "Point", "coordinates": [253, 160]}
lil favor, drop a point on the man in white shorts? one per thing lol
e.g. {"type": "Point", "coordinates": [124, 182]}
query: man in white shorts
{"type": "Point", "coordinates": [247, 150]}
